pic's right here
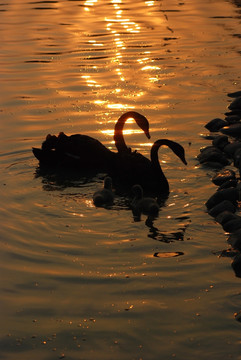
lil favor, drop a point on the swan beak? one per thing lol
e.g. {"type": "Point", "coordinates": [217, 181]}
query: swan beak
{"type": "Point", "coordinates": [147, 134]}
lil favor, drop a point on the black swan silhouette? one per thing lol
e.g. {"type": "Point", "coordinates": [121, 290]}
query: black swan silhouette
{"type": "Point", "coordinates": [84, 152]}
{"type": "Point", "coordinates": [143, 205]}
{"type": "Point", "coordinates": [141, 121]}
{"type": "Point", "coordinates": [104, 196]}
{"type": "Point", "coordinates": [159, 182]}
{"type": "Point", "coordinates": [137, 169]}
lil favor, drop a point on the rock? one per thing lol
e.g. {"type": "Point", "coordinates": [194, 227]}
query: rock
{"type": "Point", "coordinates": [237, 157]}
{"type": "Point", "coordinates": [239, 169]}
{"type": "Point", "coordinates": [232, 225]}
{"type": "Point", "coordinates": [220, 141]}
{"type": "Point", "coordinates": [207, 136]}
{"type": "Point", "coordinates": [239, 186]}
{"type": "Point", "coordinates": [230, 194]}
{"type": "Point", "coordinates": [232, 130]}
{"type": "Point", "coordinates": [228, 184]}
{"type": "Point", "coordinates": [232, 119]}
{"type": "Point", "coordinates": [233, 112]}
{"type": "Point", "coordinates": [223, 176]}
{"type": "Point", "coordinates": [237, 316]}
{"type": "Point", "coordinates": [231, 148]}
{"type": "Point", "coordinates": [235, 104]}
{"type": "Point", "coordinates": [236, 265]}
{"type": "Point", "coordinates": [235, 240]}
{"type": "Point", "coordinates": [238, 190]}
{"type": "Point", "coordinates": [213, 165]}
{"type": "Point", "coordinates": [226, 216]}
{"type": "Point", "coordinates": [235, 94]}
{"type": "Point", "coordinates": [223, 206]}
{"type": "Point", "coordinates": [212, 154]}
{"type": "Point", "coordinates": [209, 148]}
{"type": "Point", "coordinates": [215, 124]}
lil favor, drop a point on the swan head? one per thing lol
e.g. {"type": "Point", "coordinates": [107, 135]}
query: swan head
{"type": "Point", "coordinates": [108, 183]}
{"type": "Point", "coordinates": [180, 152]}
{"type": "Point", "coordinates": [143, 123]}
{"type": "Point", "coordinates": [137, 191]}
{"type": "Point", "coordinates": [176, 148]}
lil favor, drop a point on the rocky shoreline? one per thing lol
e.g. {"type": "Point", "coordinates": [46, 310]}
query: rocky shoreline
{"type": "Point", "coordinates": [225, 150]}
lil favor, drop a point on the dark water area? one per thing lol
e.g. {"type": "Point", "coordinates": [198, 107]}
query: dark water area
{"type": "Point", "coordinates": [80, 282]}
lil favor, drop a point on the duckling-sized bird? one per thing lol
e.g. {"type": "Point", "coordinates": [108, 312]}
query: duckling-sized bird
{"type": "Point", "coordinates": [105, 196]}
{"type": "Point", "coordinates": [143, 205]}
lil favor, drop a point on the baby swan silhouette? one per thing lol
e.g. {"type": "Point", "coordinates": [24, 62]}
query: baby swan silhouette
{"type": "Point", "coordinates": [82, 151]}
{"type": "Point", "coordinates": [143, 205]}
{"type": "Point", "coordinates": [104, 196]}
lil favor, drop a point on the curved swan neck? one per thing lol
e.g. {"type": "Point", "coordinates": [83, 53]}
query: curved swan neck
{"type": "Point", "coordinates": [118, 134]}
{"type": "Point", "coordinates": [176, 148]}
{"type": "Point", "coordinates": [138, 192]}
{"type": "Point", "coordinates": [156, 164]}
{"type": "Point", "coordinates": [108, 183]}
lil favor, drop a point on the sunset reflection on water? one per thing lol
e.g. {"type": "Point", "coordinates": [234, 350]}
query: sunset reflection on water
{"type": "Point", "coordinates": [117, 59]}
{"type": "Point", "coordinates": [79, 281]}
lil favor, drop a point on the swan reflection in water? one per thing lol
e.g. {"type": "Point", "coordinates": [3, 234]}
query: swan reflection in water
{"type": "Point", "coordinates": [167, 236]}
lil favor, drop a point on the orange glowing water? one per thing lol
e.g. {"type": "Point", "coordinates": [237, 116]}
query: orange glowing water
{"type": "Point", "coordinates": [86, 283]}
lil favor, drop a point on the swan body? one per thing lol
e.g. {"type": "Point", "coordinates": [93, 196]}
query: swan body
{"type": "Point", "coordinates": [148, 173]}
{"type": "Point", "coordinates": [143, 205]}
{"type": "Point", "coordinates": [74, 151]}
{"type": "Point", "coordinates": [82, 151]}
{"type": "Point", "coordinates": [104, 196]}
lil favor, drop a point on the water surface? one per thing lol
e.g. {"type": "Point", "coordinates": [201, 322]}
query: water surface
{"type": "Point", "coordinates": [84, 283]}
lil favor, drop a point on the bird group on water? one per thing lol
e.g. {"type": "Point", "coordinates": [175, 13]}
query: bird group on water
{"type": "Point", "coordinates": [128, 169]}
{"type": "Point", "coordinates": [224, 156]}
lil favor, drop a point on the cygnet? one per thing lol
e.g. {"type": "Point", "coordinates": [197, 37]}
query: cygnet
{"type": "Point", "coordinates": [104, 196]}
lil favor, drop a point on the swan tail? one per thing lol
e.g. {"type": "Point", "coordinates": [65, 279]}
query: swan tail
{"type": "Point", "coordinates": [37, 153]}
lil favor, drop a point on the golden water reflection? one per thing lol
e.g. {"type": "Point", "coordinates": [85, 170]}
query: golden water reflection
{"type": "Point", "coordinates": [89, 3]}
{"type": "Point", "coordinates": [118, 26]}
{"type": "Point", "coordinates": [75, 66]}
